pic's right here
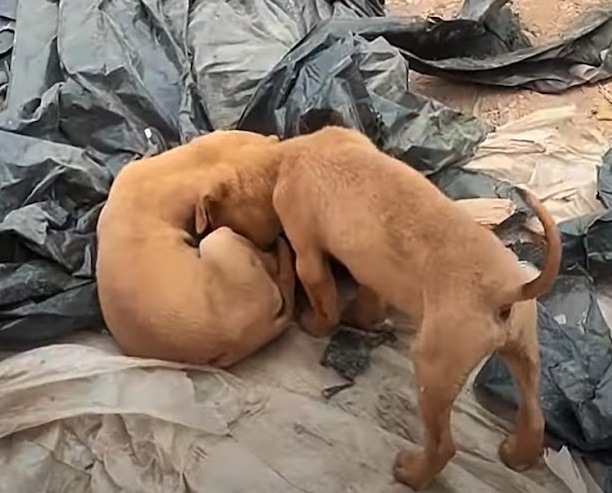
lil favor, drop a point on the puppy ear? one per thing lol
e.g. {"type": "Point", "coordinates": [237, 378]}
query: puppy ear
{"type": "Point", "coordinates": [202, 220]}
{"type": "Point", "coordinates": [206, 206]}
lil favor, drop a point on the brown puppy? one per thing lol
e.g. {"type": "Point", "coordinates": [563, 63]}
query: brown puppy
{"type": "Point", "coordinates": [408, 244]}
{"type": "Point", "coordinates": [162, 295]}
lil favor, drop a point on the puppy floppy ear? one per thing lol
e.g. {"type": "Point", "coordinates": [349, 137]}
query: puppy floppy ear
{"type": "Point", "coordinates": [202, 219]}
{"type": "Point", "coordinates": [206, 206]}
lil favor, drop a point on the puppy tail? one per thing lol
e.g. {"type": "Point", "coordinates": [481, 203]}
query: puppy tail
{"type": "Point", "coordinates": [547, 276]}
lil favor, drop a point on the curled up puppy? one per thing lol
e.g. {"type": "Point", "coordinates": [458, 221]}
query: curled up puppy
{"type": "Point", "coordinates": [164, 292]}
{"type": "Point", "coordinates": [410, 246]}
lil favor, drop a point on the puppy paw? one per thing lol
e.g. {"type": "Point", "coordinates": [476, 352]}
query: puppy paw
{"type": "Point", "coordinates": [411, 469]}
{"type": "Point", "coordinates": [518, 457]}
{"type": "Point", "coordinates": [313, 324]}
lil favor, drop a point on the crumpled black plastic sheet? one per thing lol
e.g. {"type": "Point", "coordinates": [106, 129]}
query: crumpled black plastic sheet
{"type": "Point", "coordinates": [496, 52]}
{"type": "Point", "coordinates": [7, 36]}
{"type": "Point", "coordinates": [100, 83]}
{"type": "Point", "coordinates": [576, 376]}
{"type": "Point", "coordinates": [348, 353]}
{"type": "Point", "coordinates": [575, 343]}
{"type": "Point", "coordinates": [366, 83]}
{"type": "Point", "coordinates": [485, 44]}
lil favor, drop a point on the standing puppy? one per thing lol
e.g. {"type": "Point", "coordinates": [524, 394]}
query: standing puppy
{"type": "Point", "coordinates": [406, 243]}
{"type": "Point", "coordinates": [164, 296]}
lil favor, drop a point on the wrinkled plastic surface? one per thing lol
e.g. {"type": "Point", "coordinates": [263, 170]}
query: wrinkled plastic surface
{"type": "Point", "coordinates": [575, 343]}
{"type": "Point", "coordinates": [576, 352]}
{"type": "Point", "coordinates": [82, 419]}
{"type": "Point", "coordinates": [497, 53]}
{"type": "Point", "coordinates": [7, 35]}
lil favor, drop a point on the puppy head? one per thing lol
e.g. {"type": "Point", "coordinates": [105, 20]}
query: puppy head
{"type": "Point", "coordinates": [237, 193]}
{"type": "Point", "coordinates": [249, 216]}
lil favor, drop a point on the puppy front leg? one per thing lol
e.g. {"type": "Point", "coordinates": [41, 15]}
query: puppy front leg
{"type": "Point", "coordinates": [315, 274]}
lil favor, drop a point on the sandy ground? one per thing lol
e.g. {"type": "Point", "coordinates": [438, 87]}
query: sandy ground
{"type": "Point", "coordinates": [500, 105]}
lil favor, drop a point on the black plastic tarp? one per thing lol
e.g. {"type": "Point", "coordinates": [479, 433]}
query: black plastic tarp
{"type": "Point", "coordinates": [99, 83]}
{"type": "Point", "coordinates": [94, 84]}
{"type": "Point", "coordinates": [7, 36]}
{"type": "Point", "coordinates": [501, 55]}
{"type": "Point", "coordinates": [575, 343]}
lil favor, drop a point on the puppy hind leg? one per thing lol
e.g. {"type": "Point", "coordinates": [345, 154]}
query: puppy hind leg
{"type": "Point", "coordinates": [366, 311]}
{"type": "Point", "coordinates": [281, 272]}
{"type": "Point", "coordinates": [314, 272]}
{"type": "Point", "coordinates": [441, 366]}
{"type": "Point", "coordinates": [258, 291]}
{"type": "Point", "coordinates": [260, 332]}
{"type": "Point", "coordinates": [523, 449]}
{"type": "Point", "coordinates": [267, 325]}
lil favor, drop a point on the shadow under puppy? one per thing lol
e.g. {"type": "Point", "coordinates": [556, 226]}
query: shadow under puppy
{"type": "Point", "coordinates": [165, 296]}
{"type": "Point", "coordinates": [409, 245]}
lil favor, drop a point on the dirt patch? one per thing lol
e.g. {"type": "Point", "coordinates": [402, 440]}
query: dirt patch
{"type": "Point", "coordinates": [500, 105]}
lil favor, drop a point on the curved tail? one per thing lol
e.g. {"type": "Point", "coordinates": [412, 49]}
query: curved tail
{"type": "Point", "coordinates": [547, 276]}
